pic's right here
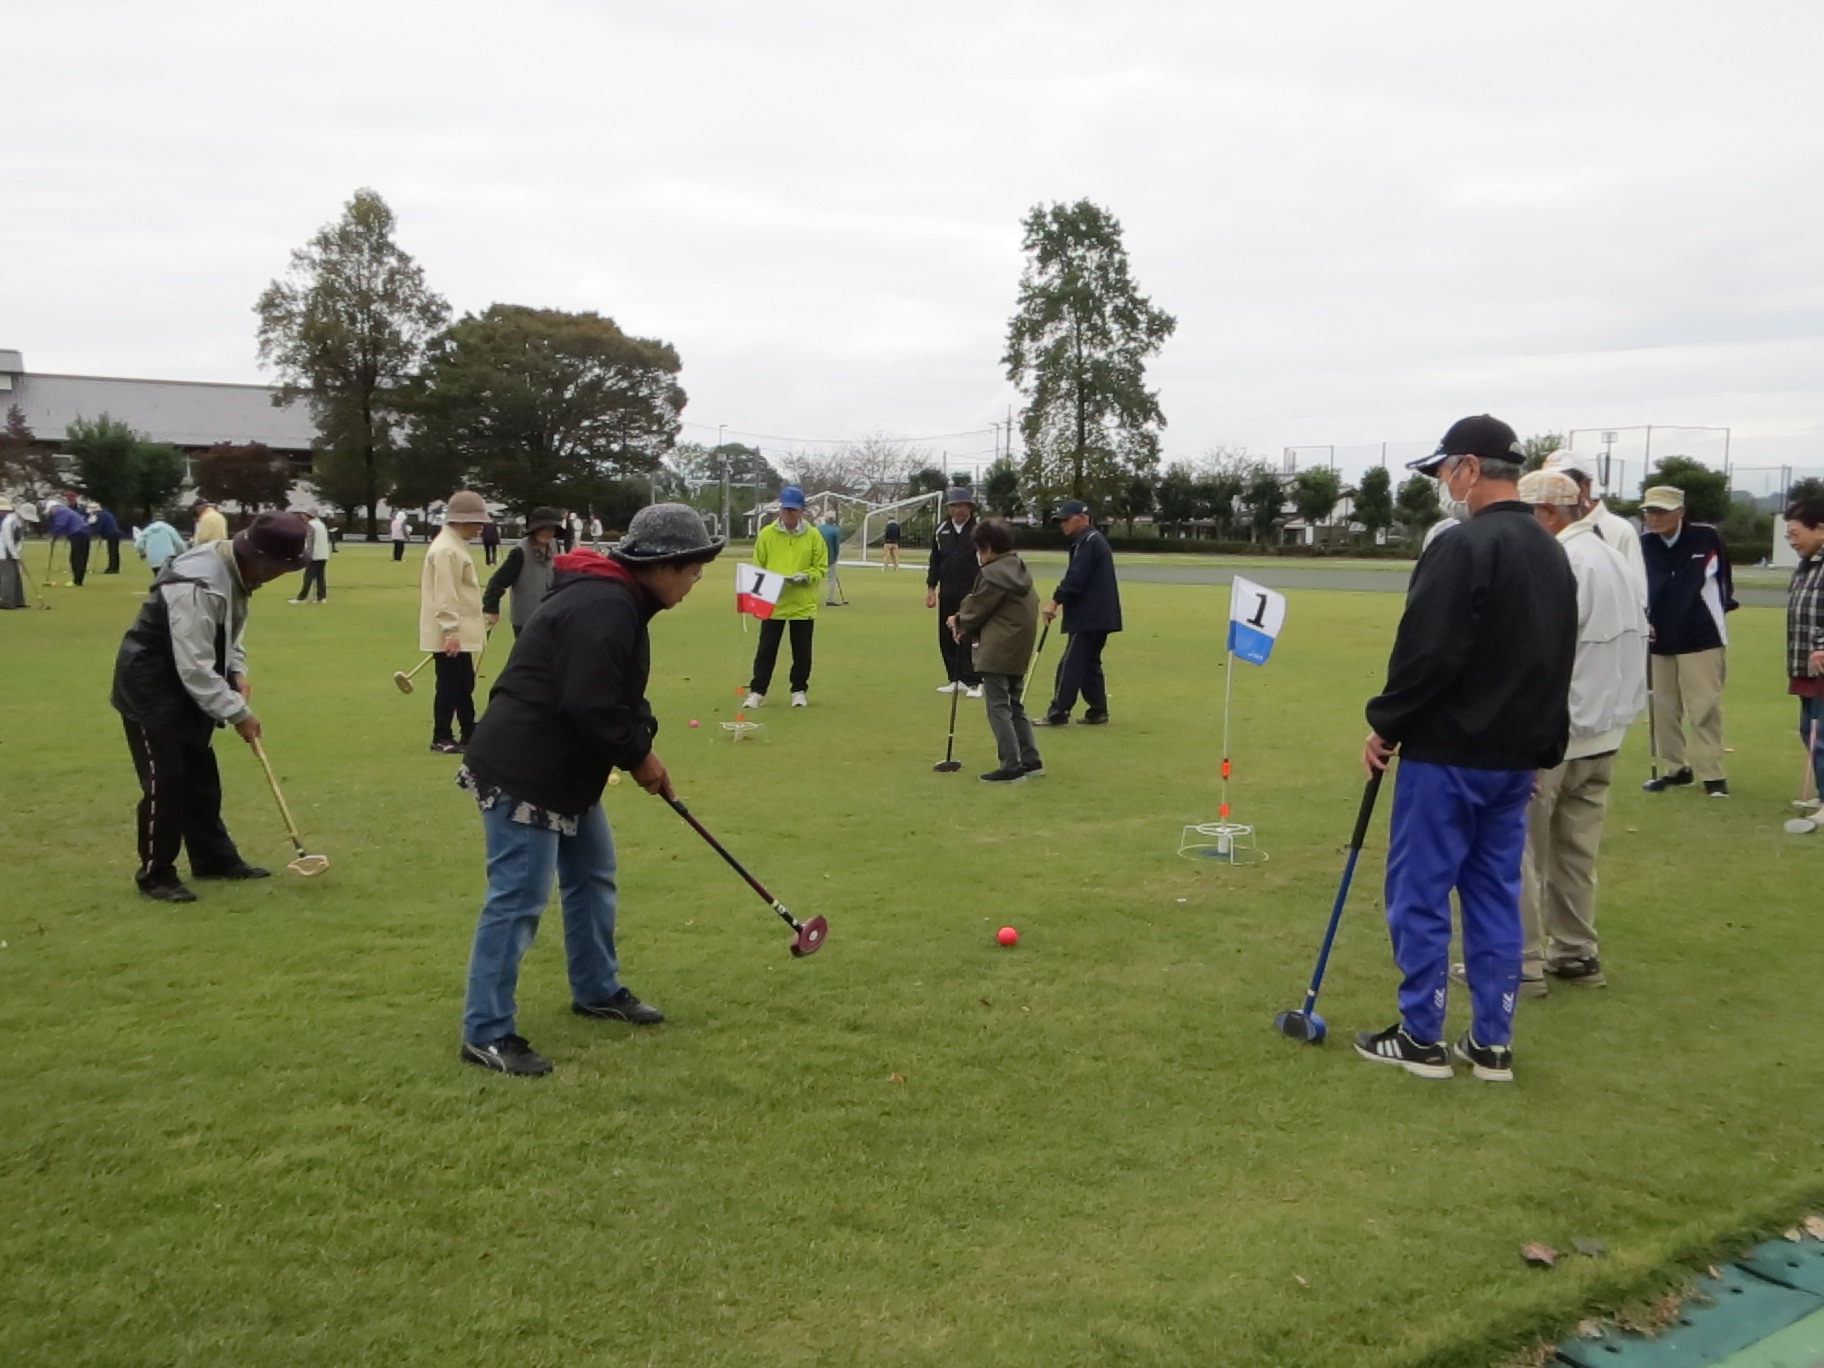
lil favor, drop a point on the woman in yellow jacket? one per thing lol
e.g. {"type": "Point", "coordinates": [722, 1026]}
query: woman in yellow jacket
{"type": "Point", "coordinates": [791, 548]}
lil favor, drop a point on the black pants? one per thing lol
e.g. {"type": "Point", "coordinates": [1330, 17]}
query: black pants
{"type": "Point", "coordinates": [1080, 672]}
{"type": "Point", "coordinates": [398, 550]}
{"type": "Point", "coordinates": [959, 661]}
{"type": "Point", "coordinates": [768, 653]}
{"type": "Point", "coordinates": [489, 551]}
{"type": "Point", "coordinates": [113, 556]}
{"type": "Point", "coordinates": [317, 573]}
{"type": "Point", "coordinates": [79, 558]}
{"type": "Point", "coordinates": [455, 698]}
{"type": "Point", "coordinates": [180, 806]}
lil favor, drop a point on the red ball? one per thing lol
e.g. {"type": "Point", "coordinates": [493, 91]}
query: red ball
{"type": "Point", "coordinates": [695, 723]}
{"type": "Point", "coordinates": [1007, 936]}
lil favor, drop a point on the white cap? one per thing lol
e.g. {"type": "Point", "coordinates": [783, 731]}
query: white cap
{"type": "Point", "coordinates": [1575, 464]}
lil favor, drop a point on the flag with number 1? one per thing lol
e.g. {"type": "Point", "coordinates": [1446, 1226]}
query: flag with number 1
{"type": "Point", "coordinates": [1256, 613]}
{"type": "Point", "coordinates": [757, 591]}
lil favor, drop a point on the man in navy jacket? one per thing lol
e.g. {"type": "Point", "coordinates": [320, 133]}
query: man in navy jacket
{"type": "Point", "coordinates": [1091, 603]}
{"type": "Point", "coordinates": [1689, 588]}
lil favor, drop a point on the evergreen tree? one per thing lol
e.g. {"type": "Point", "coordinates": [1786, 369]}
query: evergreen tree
{"type": "Point", "coordinates": [1374, 500]}
{"type": "Point", "coordinates": [1077, 347]}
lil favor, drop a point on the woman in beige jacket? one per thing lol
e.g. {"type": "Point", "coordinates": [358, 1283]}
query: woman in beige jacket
{"type": "Point", "coordinates": [450, 623]}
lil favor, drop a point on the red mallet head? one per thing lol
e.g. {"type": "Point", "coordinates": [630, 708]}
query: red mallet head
{"type": "Point", "coordinates": [1007, 936]}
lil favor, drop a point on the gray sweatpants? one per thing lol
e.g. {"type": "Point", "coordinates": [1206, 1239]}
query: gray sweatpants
{"type": "Point", "coordinates": [1007, 720]}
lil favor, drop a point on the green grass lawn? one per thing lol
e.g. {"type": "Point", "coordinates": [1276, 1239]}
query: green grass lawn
{"type": "Point", "coordinates": [237, 1133]}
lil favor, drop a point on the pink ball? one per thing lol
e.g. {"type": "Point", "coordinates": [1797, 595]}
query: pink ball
{"type": "Point", "coordinates": [1007, 936]}
{"type": "Point", "coordinates": [695, 723]}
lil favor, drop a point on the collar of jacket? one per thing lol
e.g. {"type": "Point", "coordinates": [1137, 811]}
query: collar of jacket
{"type": "Point", "coordinates": [586, 564]}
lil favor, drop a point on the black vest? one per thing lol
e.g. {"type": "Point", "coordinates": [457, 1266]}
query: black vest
{"type": "Point", "coordinates": [147, 688]}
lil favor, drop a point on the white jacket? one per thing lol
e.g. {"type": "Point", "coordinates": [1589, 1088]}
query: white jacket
{"type": "Point", "coordinates": [320, 545]}
{"type": "Point", "coordinates": [1621, 536]}
{"type": "Point", "coordinates": [1609, 677]}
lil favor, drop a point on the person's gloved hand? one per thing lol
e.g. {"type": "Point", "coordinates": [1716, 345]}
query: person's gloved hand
{"type": "Point", "coordinates": [800, 578]}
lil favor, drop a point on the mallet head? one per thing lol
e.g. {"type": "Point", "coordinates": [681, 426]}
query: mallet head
{"type": "Point", "coordinates": [309, 866]}
{"type": "Point", "coordinates": [1800, 826]}
{"type": "Point", "coordinates": [809, 939]}
{"type": "Point", "coordinates": [947, 766]}
{"type": "Point", "coordinates": [403, 680]}
{"type": "Point", "coordinates": [1306, 1026]}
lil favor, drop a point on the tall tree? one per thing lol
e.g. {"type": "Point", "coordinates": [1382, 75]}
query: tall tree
{"type": "Point", "coordinates": [1706, 490]}
{"type": "Point", "coordinates": [1000, 491]}
{"type": "Point", "coordinates": [1374, 500]}
{"type": "Point", "coordinates": [1133, 500]}
{"type": "Point", "coordinates": [252, 476]}
{"type": "Point", "coordinates": [1536, 448]}
{"type": "Point", "coordinates": [1265, 498]}
{"type": "Point", "coordinates": [346, 329]}
{"type": "Point", "coordinates": [926, 480]}
{"type": "Point", "coordinates": [27, 465]}
{"type": "Point", "coordinates": [158, 473]}
{"type": "Point", "coordinates": [545, 406]}
{"type": "Point", "coordinates": [1177, 495]}
{"type": "Point", "coordinates": [1077, 347]}
{"type": "Point", "coordinates": [119, 469]}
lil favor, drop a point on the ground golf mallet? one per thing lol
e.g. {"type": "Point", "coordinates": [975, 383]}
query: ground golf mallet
{"type": "Point", "coordinates": [1652, 721]}
{"type": "Point", "coordinates": [404, 680]}
{"type": "Point", "coordinates": [1808, 789]}
{"type": "Point", "coordinates": [808, 937]}
{"type": "Point", "coordinates": [1033, 663]}
{"type": "Point", "coordinates": [482, 653]}
{"type": "Point", "coordinates": [1305, 1024]}
{"type": "Point", "coordinates": [37, 593]}
{"type": "Point", "coordinates": [307, 865]}
{"type": "Point", "coordinates": [950, 764]}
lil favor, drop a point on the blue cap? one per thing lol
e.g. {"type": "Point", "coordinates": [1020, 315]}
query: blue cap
{"type": "Point", "coordinates": [1069, 509]}
{"type": "Point", "coordinates": [791, 497]}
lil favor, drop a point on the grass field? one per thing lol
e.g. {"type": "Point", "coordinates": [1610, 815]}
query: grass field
{"type": "Point", "coordinates": [237, 1133]}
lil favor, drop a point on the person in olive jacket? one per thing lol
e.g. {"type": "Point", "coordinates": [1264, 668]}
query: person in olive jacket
{"type": "Point", "coordinates": [569, 707]}
{"type": "Point", "coordinates": [1001, 613]}
{"type": "Point", "coordinates": [1091, 603]}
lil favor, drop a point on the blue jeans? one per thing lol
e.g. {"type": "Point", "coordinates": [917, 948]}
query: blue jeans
{"type": "Point", "coordinates": [1812, 710]}
{"type": "Point", "coordinates": [521, 862]}
{"type": "Point", "coordinates": [1463, 829]}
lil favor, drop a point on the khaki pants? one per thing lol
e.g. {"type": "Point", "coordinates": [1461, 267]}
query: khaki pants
{"type": "Point", "coordinates": [1558, 873]}
{"type": "Point", "coordinates": [1690, 687]}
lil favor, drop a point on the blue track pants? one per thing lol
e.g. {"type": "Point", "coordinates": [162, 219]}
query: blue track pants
{"type": "Point", "coordinates": [1463, 829]}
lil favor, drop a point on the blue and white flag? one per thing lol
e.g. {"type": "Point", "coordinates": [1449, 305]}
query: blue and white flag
{"type": "Point", "coordinates": [1256, 613]}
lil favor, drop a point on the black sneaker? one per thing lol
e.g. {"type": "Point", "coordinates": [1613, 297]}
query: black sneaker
{"type": "Point", "coordinates": [1004, 776]}
{"type": "Point", "coordinates": [1035, 769]}
{"type": "Point", "coordinates": [1490, 1063]}
{"type": "Point", "coordinates": [168, 890]}
{"type": "Point", "coordinates": [1585, 973]}
{"type": "Point", "coordinates": [1683, 779]}
{"type": "Point", "coordinates": [510, 1054]}
{"type": "Point", "coordinates": [623, 1006]}
{"type": "Point", "coordinates": [1394, 1046]}
{"type": "Point", "coordinates": [240, 871]}
{"type": "Point", "coordinates": [447, 747]}
{"type": "Point", "coordinates": [1051, 720]}
{"type": "Point", "coordinates": [1093, 719]}
{"type": "Point", "coordinates": [1716, 788]}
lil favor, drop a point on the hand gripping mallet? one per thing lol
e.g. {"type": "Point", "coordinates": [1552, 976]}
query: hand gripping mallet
{"type": "Point", "coordinates": [307, 865]}
{"type": "Point", "coordinates": [950, 764]}
{"type": "Point", "coordinates": [404, 680]}
{"type": "Point", "coordinates": [1305, 1024]}
{"type": "Point", "coordinates": [809, 936]}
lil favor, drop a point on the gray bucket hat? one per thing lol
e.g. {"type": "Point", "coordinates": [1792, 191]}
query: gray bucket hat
{"type": "Point", "coordinates": [667, 532]}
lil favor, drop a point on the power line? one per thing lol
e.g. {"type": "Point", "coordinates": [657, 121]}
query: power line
{"type": "Point", "coordinates": [835, 441]}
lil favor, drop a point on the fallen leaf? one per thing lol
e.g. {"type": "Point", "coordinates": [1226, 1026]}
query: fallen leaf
{"type": "Point", "coordinates": [1795, 1234]}
{"type": "Point", "coordinates": [896, 1078]}
{"type": "Point", "coordinates": [985, 1002]}
{"type": "Point", "coordinates": [1589, 1329]}
{"type": "Point", "coordinates": [1539, 1255]}
{"type": "Point", "coordinates": [1592, 1249]}
{"type": "Point", "coordinates": [1814, 1227]}
{"type": "Point", "coordinates": [1300, 1281]}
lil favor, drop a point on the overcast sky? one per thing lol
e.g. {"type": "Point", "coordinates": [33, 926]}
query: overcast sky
{"type": "Point", "coordinates": [1368, 218]}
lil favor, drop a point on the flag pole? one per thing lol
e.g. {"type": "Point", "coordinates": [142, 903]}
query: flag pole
{"type": "Point", "coordinates": [1228, 693]}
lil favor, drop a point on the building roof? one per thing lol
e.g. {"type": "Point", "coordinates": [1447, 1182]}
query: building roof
{"type": "Point", "coordinates": [182, 413]}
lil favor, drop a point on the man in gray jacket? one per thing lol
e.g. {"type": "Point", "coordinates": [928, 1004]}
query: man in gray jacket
{"type": "Point", "coordinates": [181, 673]}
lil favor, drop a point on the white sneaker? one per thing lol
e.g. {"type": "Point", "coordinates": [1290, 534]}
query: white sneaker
{"type": "Point", "coordinates": [754, 700]}
{"type": "Point", "coordinates": [799, 700]}
{"type": "Point", "coordinates": [973, 691]}
{"type": "Point", "coordinates": [951, 687]}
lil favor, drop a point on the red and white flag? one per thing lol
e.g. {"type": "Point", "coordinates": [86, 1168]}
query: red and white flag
{"type": "Point", "coordinates": [757, 591]}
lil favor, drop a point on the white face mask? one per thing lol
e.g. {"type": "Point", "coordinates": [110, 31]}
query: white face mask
{"type": "Point", "coordinates": [1453, 507]}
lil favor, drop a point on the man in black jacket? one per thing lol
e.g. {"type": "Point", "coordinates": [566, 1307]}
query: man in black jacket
{"type": "Point", "coordinates": [1477, 699]}
{"type": "Point", "coordinates": [948, 580]}
{"type": "Point", "coordinates": [569, 707]}
{"type": "Point", "coordinates": [1091, 603]}
{"type": "Point", "coordinates": [1689, 588]}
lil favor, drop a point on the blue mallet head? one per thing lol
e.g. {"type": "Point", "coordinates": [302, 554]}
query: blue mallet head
{"type": "Point", "coordinates": [1306, 1026]}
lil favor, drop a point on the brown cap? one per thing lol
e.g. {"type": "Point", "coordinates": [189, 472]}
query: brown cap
{"type": "Point", "coordinates": [466, 506]}
{"type": "Point", "coordinates": [1550, 488]}
{"type": "Point", "coordinates": [277, 539]}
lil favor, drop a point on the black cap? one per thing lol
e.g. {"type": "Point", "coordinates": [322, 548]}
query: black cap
{"type": "Point", "coordinates": [1480, 435]}
{"type": "Point", "coordinates": [543, 517]}
{"type": "Point", "coordinates": [1069, 509]}
{"type": "Point", "coordinates": [276, 538]}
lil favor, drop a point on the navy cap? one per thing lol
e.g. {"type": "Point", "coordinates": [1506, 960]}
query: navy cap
{"type": "Point", "coordinates": [1069, 509]}
{"type": "Point", "coordinates": [1480, 435]}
